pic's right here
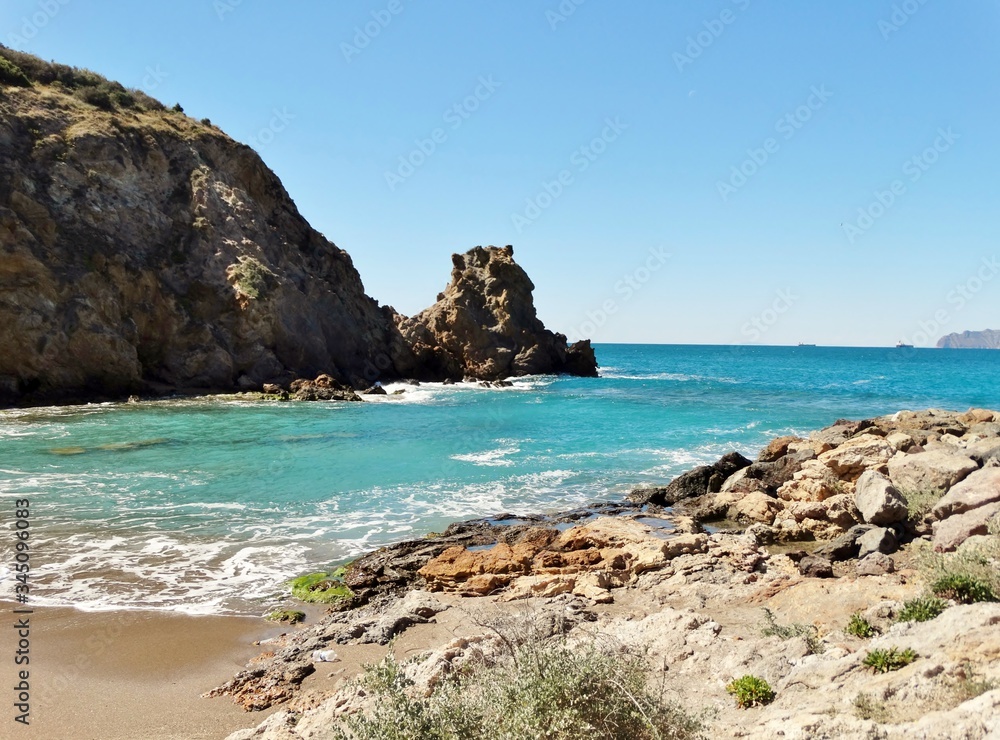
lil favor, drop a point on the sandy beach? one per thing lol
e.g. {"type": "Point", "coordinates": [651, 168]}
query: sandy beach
{"type": "Point", "coordinates": [131, 674]}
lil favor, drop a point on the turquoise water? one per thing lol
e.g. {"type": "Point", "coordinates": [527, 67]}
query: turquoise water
{"type": "Point", "coordinates": [210, 505]}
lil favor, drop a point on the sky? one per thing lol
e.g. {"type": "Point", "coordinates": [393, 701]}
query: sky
{"type": "Point", "coordinates": [723, 172]}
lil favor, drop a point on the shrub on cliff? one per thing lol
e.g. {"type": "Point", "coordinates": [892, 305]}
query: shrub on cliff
{"type": "Point", "coordinates": [88, 86]}
{"type": "Point", "coordinates": [11, 74]}
{"type": "Point", "coordinates": [539, 690]}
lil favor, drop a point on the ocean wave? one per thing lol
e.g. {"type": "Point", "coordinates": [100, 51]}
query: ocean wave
{"type": "Point", "coordinates": [677, 377]}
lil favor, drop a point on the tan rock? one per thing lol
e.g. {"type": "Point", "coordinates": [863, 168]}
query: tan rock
{"type": "Point", "coordinates": [953, 531]}
{"type": "Point", "coordinates": [777, 448]}
{"type": "Point", "coordinates": [933, 471]}
{"type": "Point", "coordinates": [981, 487]}
{"type": "Point", "coordinates": [858, 454]}
{"type": "Point", "coordinates": [756, 507]}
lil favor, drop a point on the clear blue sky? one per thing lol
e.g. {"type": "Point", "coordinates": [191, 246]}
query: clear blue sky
{"type": "Point", "coordinates": [685, 109]}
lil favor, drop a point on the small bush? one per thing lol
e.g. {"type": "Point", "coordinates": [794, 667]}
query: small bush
{"type": "Point", "coordinates": [868, 707]}
{"type": "Point", "coordinates": [97, 97]}
{"type": "Point", "coordinates": [540, 690]}
{"type": "Point", "coordinates": [860, 627]}
{"type": "Point", "coordinates": [750, 691]}
{"type": "Point", "coordinates": [321, 588]}
{"type": "Point", "coordinates": [918, 503]}
{"type": "Point", "coordinates": [290, 616]}
{"type": "Point", "coordinates": [177, 108]}
{"type": "Point", "coordinates": [963, 588]}
{"type": "Point", "coordinates": [921, 609]}
{"type": "Point", "coordinates": [11, 74]}
{"type": "Point", "coordinates": [249, 276]}
{"type": "Point", "coordinates": [883, 661]}
{"type": "Point", "coordinates": [789, 631]}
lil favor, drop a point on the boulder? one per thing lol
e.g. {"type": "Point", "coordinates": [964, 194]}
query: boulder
{"type": "Point", "coordinates": [931, 471]}
{"type": "Point", "coordinates": [880, 539]}
{"type": "Point", "coordinates": [900, 440]}
{"type": "Point", "coordinates": [978, 489]}
{"type": "Point", "coordinates": [846, 546]}
{"type": "Point", "coordinates": [775, 474]}
{"type": "Point", "coordinates": [853, 457]}
{"type": "Point", "coordinates": [877, 500]}
{"type": "Point", "coordinates": [375, 390]}
{"type": "Point", "coordinates": [814, 481]}
{"type": "Point", "coordinates": [697, 482]}
{"type": "Point", "coordinates": [875, 564]}
{"type": "Point", "coordinates": [777, 448]}
{"type": "Point", "coordinates": [814, 566]}
{"type": "Point", "coordinates": [755, 507]}
{"type": "Point", "coordinates": [953, 531]}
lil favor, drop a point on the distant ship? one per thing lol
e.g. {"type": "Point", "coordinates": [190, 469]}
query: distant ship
{"type": "Point", "coordinates": [902, 345]}
{"type": "Point", "coordinates": [805, 344]}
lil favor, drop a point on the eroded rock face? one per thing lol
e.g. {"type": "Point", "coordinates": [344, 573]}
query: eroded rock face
{"type": "Point", "coordinates": [142, 251]}
{"type": "Point", "coordinates": [484, 325]}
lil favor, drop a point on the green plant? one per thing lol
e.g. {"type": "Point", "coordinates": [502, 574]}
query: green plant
{"type": "Point", "coordinates": [892, 659]}
{"type": "Point", "coordinates": [921, 609]}
{"type": "Point", "coordinates": [177, 108]}
{"type": "Point", "coordinates": [11, 74]}
{"type": "Point", "coordinates": [868, 707]}
{"type": "Point", "coordinates": [977, 560]}
{"type": "Point", "coordinates": [860, 627]}
{"type": "Point", "coordinates": [539, 689]}
{"type": "Point", "coordinates": [321, 588]}
{"type": "Point", "coordinates": [97, 97]}
{"type": "Point", "coordinates": [290, 616]}
{"type": "Point", "coordinates": [789, 631]}
{"type": "Point", "coordinates": [249, 276]}
{"type": "Point", "coordinates": [750, 691]}
{"type": "Point", "coordinates": [918, 503]}
{"type": "Point", "coordinates": [963, 588]}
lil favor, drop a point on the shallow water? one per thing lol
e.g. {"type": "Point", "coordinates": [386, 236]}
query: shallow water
{"type": "Point", "coordinates": [210, 505]}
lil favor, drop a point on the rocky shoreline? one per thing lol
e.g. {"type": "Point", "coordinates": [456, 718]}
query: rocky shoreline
{"type": "Point", "coordinates": [763, 568]}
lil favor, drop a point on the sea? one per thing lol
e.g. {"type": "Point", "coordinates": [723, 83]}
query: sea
{"type": "Point", "coordinates": [210, 505]}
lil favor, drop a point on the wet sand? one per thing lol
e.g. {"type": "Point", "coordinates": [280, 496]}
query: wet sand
{"type": "Point", "coordinates": [124, 675]}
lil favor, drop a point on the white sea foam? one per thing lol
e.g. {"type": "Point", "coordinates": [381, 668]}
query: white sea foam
{"type": "Point", "coordinates": [490, 458]}
{"type": "Point", "coordinates": [678, 377]}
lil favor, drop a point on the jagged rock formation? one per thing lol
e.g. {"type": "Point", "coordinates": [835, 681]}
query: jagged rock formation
{"type": "Point", "coordinates": [484, 324]}
{"type": "Point", "coordinates": [986, 339]}
{"type": "Point", "coordinates": [141, 250]}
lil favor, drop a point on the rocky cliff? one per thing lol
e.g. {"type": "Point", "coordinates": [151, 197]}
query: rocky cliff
{"type": "Point", "coordinates": [142, 250]}
{"type": "Point", "coordinates": [986, 339]}
{"type": "Point", "coordinates": [484, 325]}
